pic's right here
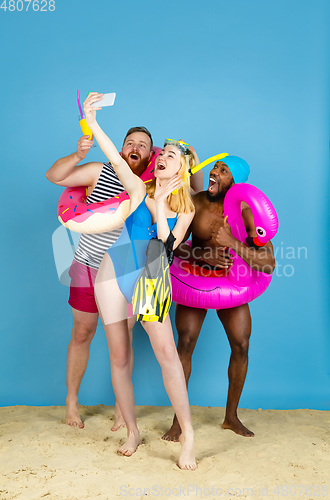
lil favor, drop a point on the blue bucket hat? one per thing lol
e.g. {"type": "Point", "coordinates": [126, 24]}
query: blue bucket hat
{"type": "Point", "coordinates": [239, 168]}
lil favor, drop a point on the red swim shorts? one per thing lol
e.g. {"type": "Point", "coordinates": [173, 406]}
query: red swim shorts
{"type": "Point", "coordinates": [82, 287]}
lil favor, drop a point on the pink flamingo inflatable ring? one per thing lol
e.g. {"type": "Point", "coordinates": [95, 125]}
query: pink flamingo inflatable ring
{"type": "Point", "coordinates": [81, 217]}
{"type": "Point", "coordinates": [242, 284]}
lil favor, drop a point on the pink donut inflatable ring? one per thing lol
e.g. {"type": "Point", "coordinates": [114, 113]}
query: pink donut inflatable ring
{"type": "Point", "coordinates": [242, 284]}
{"type": "Point", "coordinates": [77, 215]}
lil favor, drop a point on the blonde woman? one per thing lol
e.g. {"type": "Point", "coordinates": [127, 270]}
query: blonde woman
{"type": "Point", "coordinates": [153, 212]}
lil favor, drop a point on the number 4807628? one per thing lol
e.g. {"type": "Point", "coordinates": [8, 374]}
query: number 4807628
{"type": "Point", "coordinates": [19, 5]}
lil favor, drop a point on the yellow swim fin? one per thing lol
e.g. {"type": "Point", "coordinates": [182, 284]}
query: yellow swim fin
{"type": "Point", "coordinates": [152, 295]}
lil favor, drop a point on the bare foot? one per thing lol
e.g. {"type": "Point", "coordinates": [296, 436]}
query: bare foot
{"type": "Point", "coordinates": [72, 415]}
{"type": "Point", "coordinates": [173, 434]}
{"type": "Point", "coordinates": [119, 421]}
{"type": "Point", "coordinates": [131, 444]}
{"type": "Point", "coordinates": [187, 458]}
{"type": "Point", "coordinates": [234, 424]}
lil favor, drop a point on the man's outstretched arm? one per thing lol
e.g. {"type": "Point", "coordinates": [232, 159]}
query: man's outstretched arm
{"type": "Point", "coordinates": [66, 172]}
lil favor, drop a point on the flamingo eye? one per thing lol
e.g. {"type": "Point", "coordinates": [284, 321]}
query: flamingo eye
{"type": "Point", "coordinates": [260, 231]}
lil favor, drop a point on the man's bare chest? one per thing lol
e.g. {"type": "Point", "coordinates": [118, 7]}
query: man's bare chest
{"type": "Point", "coordinates": [206, 224]}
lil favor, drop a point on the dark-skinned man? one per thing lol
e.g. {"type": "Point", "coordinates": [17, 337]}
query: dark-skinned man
{"type": "Point", "coordinates": [211, 241]}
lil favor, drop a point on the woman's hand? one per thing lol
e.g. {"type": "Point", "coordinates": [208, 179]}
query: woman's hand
{"type": "Point", "coordinates": [162, 192]}
{"type": "Point", "coordinates": [90, 113]}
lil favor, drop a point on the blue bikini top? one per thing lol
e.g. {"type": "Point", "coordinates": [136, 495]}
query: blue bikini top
{"type": "Point", "coordinates": [140, 221]}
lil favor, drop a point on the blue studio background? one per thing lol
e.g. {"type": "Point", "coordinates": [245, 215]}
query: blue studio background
{"type": "Point", "coordinates": [247, 77]}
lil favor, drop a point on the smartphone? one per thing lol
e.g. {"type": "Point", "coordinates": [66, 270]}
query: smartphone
{"type": "Point", "coordinates": [107, 100]}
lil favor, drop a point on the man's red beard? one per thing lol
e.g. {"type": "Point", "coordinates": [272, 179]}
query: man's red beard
{"type": "Point", "coordinates": [139, 167]}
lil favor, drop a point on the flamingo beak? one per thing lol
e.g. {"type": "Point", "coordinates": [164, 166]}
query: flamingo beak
{"type": "Point", "coordinates": [258, 243]}
{"type": "Point", "coordinates": [254, 242]}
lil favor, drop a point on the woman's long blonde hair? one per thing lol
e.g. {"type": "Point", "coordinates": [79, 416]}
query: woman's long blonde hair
{"type": "Point", "coordinates": [180, 202]}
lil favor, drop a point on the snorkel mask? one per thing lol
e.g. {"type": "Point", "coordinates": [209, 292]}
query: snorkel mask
{"type": "Point", "coordinates": [182, 146]}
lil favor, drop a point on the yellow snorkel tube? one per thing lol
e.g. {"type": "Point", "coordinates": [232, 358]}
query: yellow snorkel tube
{"type": "Point", "coordinates": [198, 167]}
{"type": "Point", "coordinates": [195, 169]}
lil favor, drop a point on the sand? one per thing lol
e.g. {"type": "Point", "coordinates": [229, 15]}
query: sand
{"type": "Point", "coordinates": [42, 458]}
